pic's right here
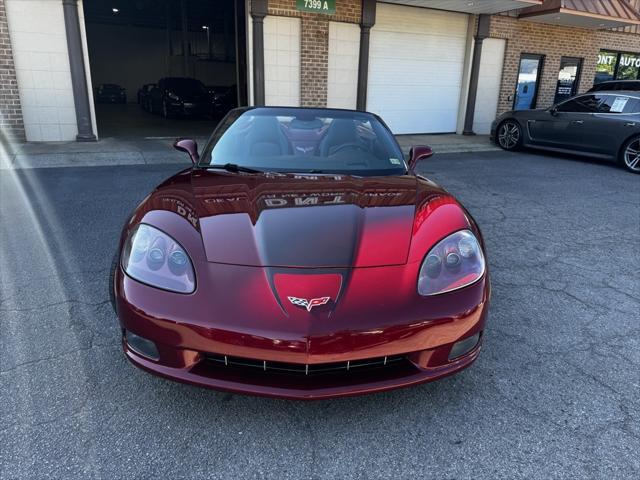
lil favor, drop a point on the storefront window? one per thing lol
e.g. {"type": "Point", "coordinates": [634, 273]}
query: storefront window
{"type": "Point", "coordinates": [628, 67]}
{"type": "Point", "coordinates": [527, 87]}
{"type": "Point", "coordinates": [606, 67]}
{"type": "Point", "coordinates": [568, 78]}
{"type": "Point", "coordinates": [617, 66]}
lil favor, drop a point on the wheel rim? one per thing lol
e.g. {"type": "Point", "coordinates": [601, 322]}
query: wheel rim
{"type": "Point", "coordinates": [509, 135]}
{"type": "Point", "coordinates": [632, 156]}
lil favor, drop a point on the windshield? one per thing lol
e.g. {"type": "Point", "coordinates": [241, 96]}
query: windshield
{"type": "Point", "coordinates": [183, 86]}
{"type": "Point", "coordinates": [301, 140]}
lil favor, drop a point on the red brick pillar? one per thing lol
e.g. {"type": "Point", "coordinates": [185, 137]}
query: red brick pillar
{"type": "Point", "coordinates": [11, 123]}
{"type": "Point", "coordinates": [314, 61]}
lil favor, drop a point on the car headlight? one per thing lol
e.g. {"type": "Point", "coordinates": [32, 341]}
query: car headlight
{"type": "Point", "coordinates": [153, 257]}
{"type": "Point", "coordinates": [455, 262]}
{"type": "Point", "coordinates": [173, 96]}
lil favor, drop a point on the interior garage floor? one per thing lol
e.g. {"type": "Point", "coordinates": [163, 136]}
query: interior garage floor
{"type": "Point", "coordinates": [129, 121]}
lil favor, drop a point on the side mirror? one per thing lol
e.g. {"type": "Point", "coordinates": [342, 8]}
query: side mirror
{"type": "Point", "coordinates": [189, 146]}
{"type": "Point", "coordinates": [418, 153]}
{"type": "Point", "coordinates": [553, 111]}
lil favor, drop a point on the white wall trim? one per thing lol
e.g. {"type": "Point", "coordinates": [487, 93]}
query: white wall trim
{"type": "Point", "coordinates": [342, 74]}
{"type": "Point", "coordinates": [282, 60]}
{"type": "Point", "coordinates": [41, 58]}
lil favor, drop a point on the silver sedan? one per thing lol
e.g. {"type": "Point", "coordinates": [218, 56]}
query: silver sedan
{"type": "Point", "coordinates": [599, 124]}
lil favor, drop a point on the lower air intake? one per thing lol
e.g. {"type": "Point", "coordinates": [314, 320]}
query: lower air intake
{"type": "Point", "coordinates": [306, 369]}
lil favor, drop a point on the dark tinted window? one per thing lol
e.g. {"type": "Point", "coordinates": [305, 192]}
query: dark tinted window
{"type": "Point", "coordinates": [581, 104]}
{"type": "Point", "coordinates": [633, 106]}
{"type": "Point", "coordinates": [619, 104]}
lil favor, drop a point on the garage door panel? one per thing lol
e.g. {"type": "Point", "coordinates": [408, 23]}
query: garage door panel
{"type": "Point", "coordinates": [446, 75]}
{"type": "Point", "coordinates": [420, 48]}
{"type": "Point", "coordinates": [415, 68]}
{"type": "Point", "coordinates": [389, 16]}
{"type": "Point", "coordinates": [415, 96]}
{"type": "Point", "coordinates": [422, 123]}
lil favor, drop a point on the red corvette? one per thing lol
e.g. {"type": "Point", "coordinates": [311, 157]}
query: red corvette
{"type": "Point", "coordinates": [301, 257]}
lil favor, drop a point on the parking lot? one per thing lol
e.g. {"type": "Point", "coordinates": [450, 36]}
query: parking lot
{"type": "Point", "coordinates": [554, 394]}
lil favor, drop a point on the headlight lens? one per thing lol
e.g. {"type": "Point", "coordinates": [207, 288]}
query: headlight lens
{"type": "Point", "coordinates": [173, 96]}
{"type": "Point", "coordinates": [455, 262]}
{"type": "Point", "coordinates": [153, 257]}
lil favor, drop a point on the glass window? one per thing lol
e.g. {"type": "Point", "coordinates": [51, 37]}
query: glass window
{"type": "Point", "coordinates": [628, 67]}
{"type": "Point", "coordinates": [305, 140]}
{"type": "Point", "coordinates": [527, 86]}
{"type": "Point", "coordinates": [633, 106]}
{"type": "Point", "coordinates": [606, 67]}
{"type": "Point", "coordinates": [568, 78]}
{"type": "Point", "coordinates": [582, 104]}
{"type": "Point", "coordinates": [619, 104]}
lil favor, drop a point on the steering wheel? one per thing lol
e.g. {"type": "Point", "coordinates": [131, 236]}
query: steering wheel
{"type": "Point", "coordinates": [344, 146]}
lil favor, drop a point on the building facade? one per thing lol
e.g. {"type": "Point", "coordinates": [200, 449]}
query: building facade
{"type": "Point", "coordinates": [426, 66]}
{"type": "Point", "coordinates": [553, 43]}
{"type": "Point", "coordinates": [11, 121]}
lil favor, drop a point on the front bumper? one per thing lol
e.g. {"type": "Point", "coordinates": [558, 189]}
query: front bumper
{"type": "Point", "coordinates": [188, 333]}
{"type": "Point", "coordinates": [197, 370]}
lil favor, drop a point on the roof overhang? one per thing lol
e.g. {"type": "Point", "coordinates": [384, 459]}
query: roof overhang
{"type": "Point", "coordinates": [593, 14]}
{"type": "Point", "coordinates": [470, 6]}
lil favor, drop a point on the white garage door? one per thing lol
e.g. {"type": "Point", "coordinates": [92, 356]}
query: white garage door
{"type": "Point", "coordinates": [416, 64]}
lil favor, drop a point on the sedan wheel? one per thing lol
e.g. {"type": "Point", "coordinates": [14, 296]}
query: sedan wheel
{"type": "Point", "coordinates": [509, 135]}
{"type": "Point", "coordinates": [631, 155]}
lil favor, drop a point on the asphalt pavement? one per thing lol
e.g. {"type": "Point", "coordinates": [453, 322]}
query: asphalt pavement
{"type": "Point", "coordinates": [555, 392]}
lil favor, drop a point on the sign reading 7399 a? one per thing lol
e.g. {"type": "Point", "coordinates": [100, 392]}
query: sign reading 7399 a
{"type": "Point", "coordinates": [316, 6]}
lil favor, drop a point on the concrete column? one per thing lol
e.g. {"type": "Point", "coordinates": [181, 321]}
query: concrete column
{"type": "Point", "coordinates": [259, 10]}
{"type": "Point", "coordinates": [78, 73]}
{"type": "Point", "coordinates": [484, 24]}
{"type": "Point", "coordinates": [368, 21]}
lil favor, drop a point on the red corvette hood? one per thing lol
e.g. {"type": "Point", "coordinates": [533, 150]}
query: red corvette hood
{"type": "Point", "coordinates": [304, 220]}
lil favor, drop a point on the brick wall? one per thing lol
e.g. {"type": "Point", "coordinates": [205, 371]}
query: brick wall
{"type": "Point", "coordinates": [554, 42]}
{"type": "Point", "coordinates": [314, 48]}
{"type": "Point", "coordinates": [11, 123]}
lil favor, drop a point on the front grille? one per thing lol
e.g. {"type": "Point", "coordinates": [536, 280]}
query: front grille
{"type": "Point", "coordinates": [306, 369]}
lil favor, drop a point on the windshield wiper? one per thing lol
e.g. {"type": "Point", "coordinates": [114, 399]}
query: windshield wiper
{"type": "Point", "coordinates": [232, 167]}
